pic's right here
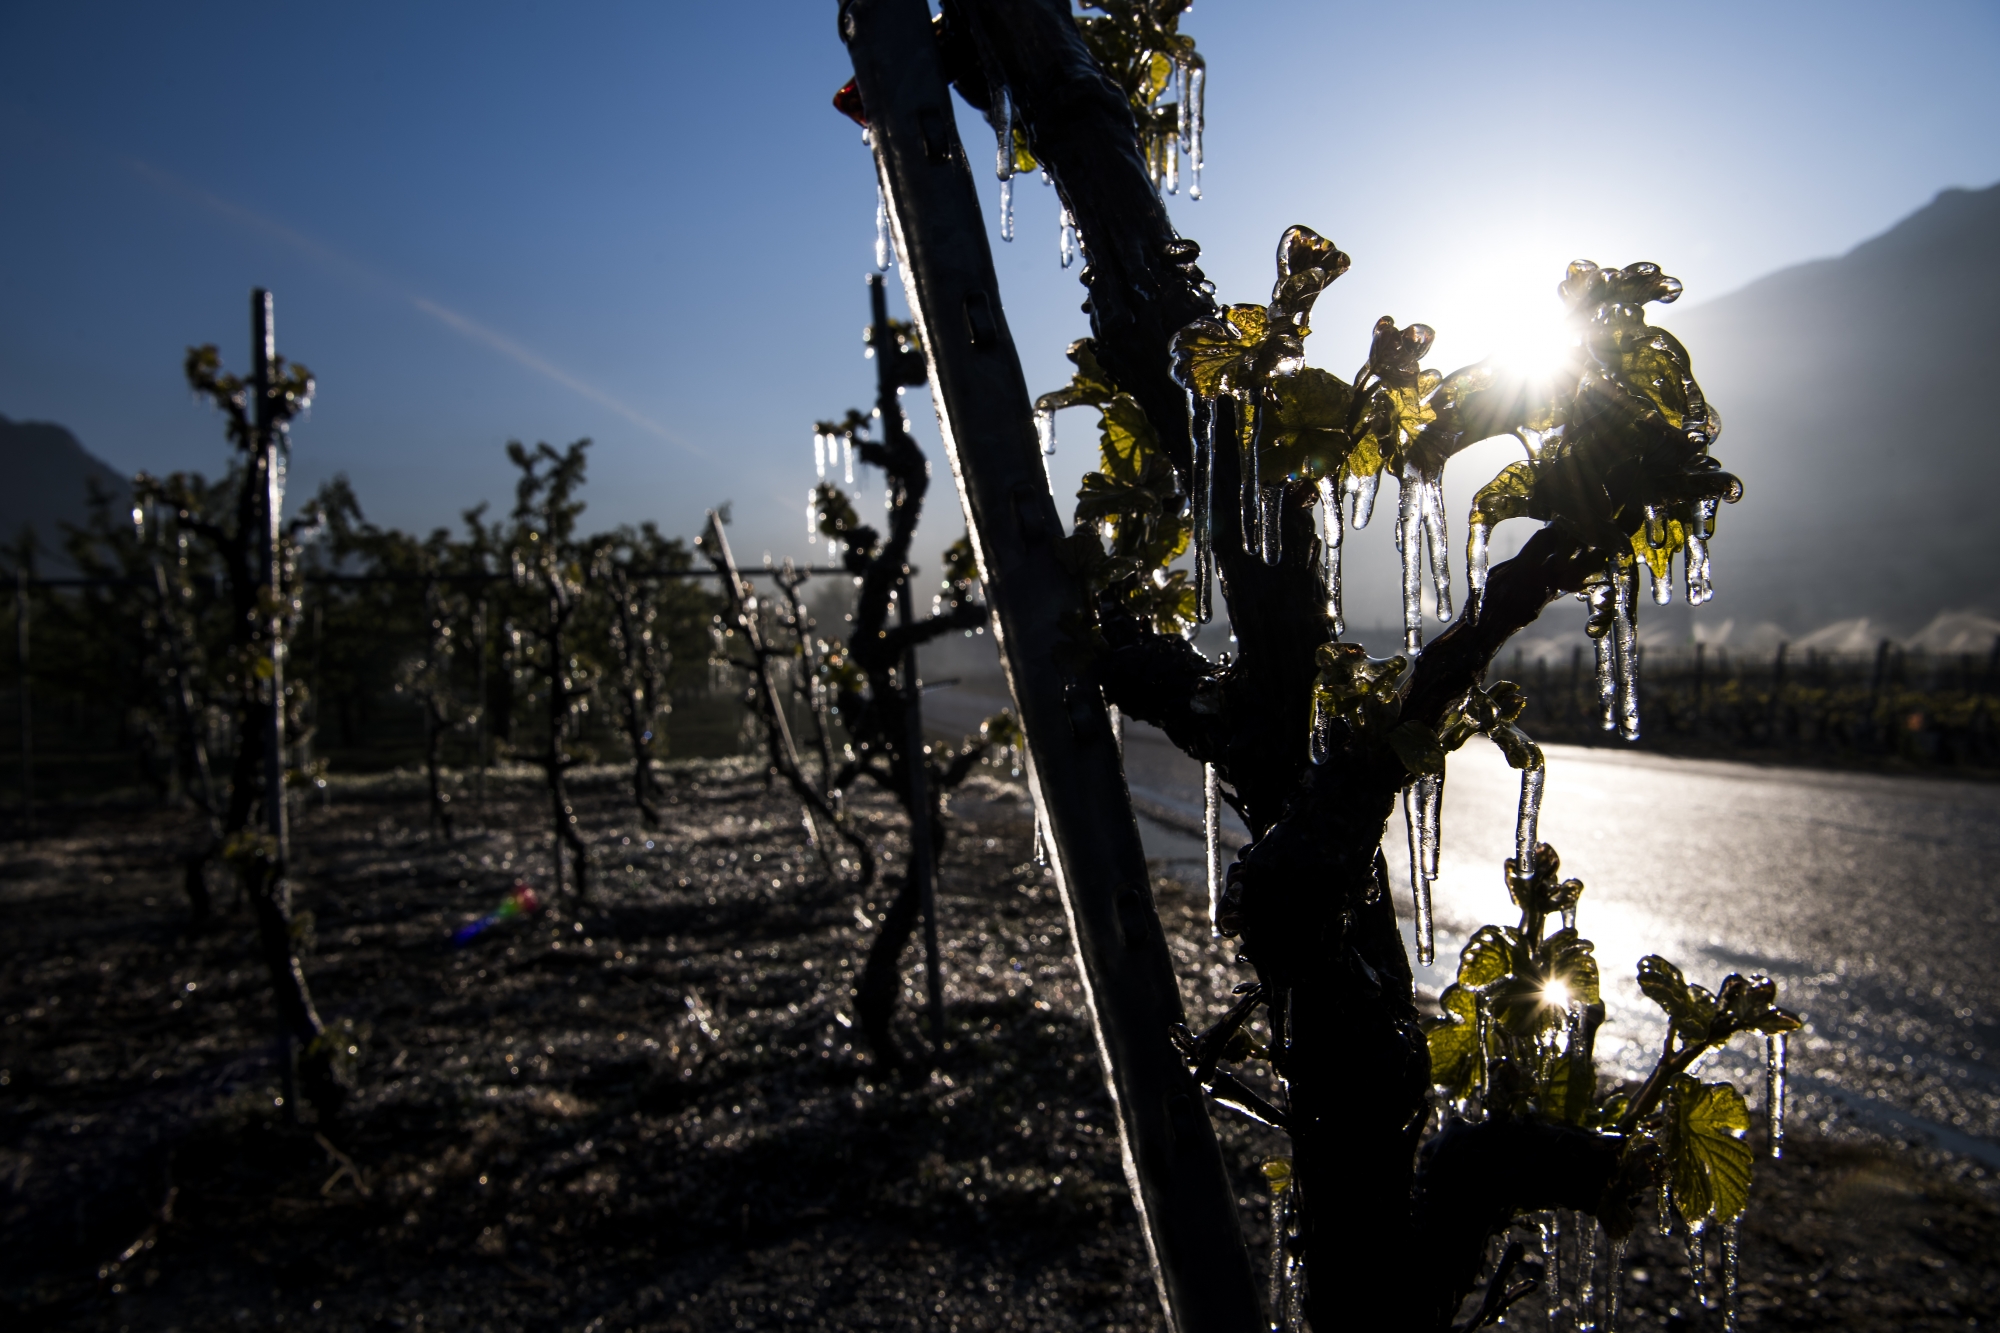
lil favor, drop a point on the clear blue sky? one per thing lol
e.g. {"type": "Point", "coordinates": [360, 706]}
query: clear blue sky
{"type": "Point", "coordinates": [643, 222]}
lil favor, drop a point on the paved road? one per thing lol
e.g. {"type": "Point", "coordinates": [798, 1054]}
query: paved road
{"type": "Point", "coordinates": [1874, 902]}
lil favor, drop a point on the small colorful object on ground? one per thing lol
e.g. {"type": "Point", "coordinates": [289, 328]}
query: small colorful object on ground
{"type": "Point", "coordinates": [520, 901]}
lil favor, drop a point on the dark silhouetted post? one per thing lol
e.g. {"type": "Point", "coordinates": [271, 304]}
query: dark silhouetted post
{"type": "Point", "coordinates": [1186, 1203]}
{"type": "Point", "coordinates": [27, 710]}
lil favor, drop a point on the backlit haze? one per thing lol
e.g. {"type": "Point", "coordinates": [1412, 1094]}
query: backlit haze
{"type": "Point", "coordinates": [645, 224]}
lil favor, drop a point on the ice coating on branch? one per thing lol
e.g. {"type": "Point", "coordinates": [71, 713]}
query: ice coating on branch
{"type": "Point", "coordinates": [1421, 802]}
{"type": "Point", "coordinates": [1066, 238]}
{"type": "Point", "coordinates": [884, 252]}
{"type": "Point", "coordinates": [1776, 1057]}
{"type": "Point", "coordinates": [1211, 827]}
{"type": "Point", "coordinates": [1204, 509]}
{"type": "Point", "coordinates": [1729, 1276]}
{"type": "Point", "coordinates": [1329, 507]}
{"type": "Point", "coordinates": [1627, 645]}
{"type": "Point", "coordinates": [1527, 817]}
{"type": "Point", "coordinates": [1196, 81]}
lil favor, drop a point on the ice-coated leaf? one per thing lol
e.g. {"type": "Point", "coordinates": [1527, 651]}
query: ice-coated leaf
{"type": "Point", "coordinates": [1573, 962]}
{"type": "Point", "coordinates": [1213, 357]}
{"type": "Point", "coordinates": [1487, 956]}
{"type": "Point", "coordinates": [1709, 1161]}
{"type": "Point", "coordinates": [1521, 752]}
{"type": "Point", "coordinates": [1509, 495]}
{"type": "Point", "coordinates": [1305, 436]}
{"type": "Point", "coordinates": [1417, 746]}
{"type": "Point", "coordinates": [1454, 1043]}
{"type": "Point", "coordinates": [1662, 983]}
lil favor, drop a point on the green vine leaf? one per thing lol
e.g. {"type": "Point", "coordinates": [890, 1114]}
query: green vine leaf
{"type": "Point", "coordinates": [1487, 957]}
{"type": "Point", "coordinates": [1708, 1159]}
{"type": "Point", "coordinates": [1453, 1039]}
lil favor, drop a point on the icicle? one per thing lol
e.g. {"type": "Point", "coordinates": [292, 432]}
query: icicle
{"type": "Point", "coordinates": [1117, 728]}
{"type": "Point", "coordinates": [1695, 562]}
{"type": "Point", "coordinates": [1430, 496]}
{"type": "Point", "coordinates": [1476, 552]}
{"type": "Point", "coordinates": [1181, 72]}
{"type": "Point", "coordinates": [1586, 1274]}
{"type": "Point", "coordinates": [1420, 812]}
{"type": "Point", "coordinates": [1248, 427]}
{"type": "Point", "coordinates": [1204, 509]}
{"type": "Point", "coordinates": [1433, 790]}
{"type": "Point", "coordinates": [847, 447]}
{"type": "Point", "coordinates": [1271, 522]}
{"type": "Point", "coordinates": [1007, 209]}
{"type": "Point", "coordinates": [1286, 1313]}
{"type": "Point", "coordinates": [1656, 537]}
{"type": "Point", "coordinates": [1041, 841]}
{"type": "Point", "coordinates": [1172, 161]}
{"type": "Point", "coordinates": [1329, 506]}
{"type": "Point", "coordinates": [1614, 1280]}
{"type": "Point", "coordinates": [1551, 1229]}
{"type": "Point", "coordinates": [1195, 96]}
{"type": "Point", "coordinates": [1211, 828]}
{"type": "Point", "coordinates": [1729, 1276]}
{"type": "Point", "coordinates": [1665, 1205]}
{"type": "Point", "coordinates": [1066, 238]}
{"type": "Point", "coordinates": [819, 454]}
{"type": "Point", "coordinates": [1526, 818]}
{"type": "Point", "coordinates": [1045, 429]}
{"type": "Point", "coordinates": [1409, 542]}
{"type": "Point", "coordinates": [1003, 164]}
{"type": "Point", "coordinates": [1776, 1057]}
{"type": "Point", "coordinates": [1364, 490]}
{"type": "Point", "coordinates": [1697, 1258]}
{"type": "Point", "coordinates": [812, 512]}
{"type": "Point", "coordinates": [1624, 577]}
{"type": "Point", "coordinates": [1599, 597]}
{"type": "Point", "coordinates": [883, 251]}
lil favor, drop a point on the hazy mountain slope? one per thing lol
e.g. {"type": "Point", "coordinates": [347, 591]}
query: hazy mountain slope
{"type": "Point", "coordinates": [1858, 402]}
{"type": "Point", "coordinates": [48, 475]}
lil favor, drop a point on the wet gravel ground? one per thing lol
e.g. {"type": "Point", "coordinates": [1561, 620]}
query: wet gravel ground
{"type": "Point", "coordinates": [648, 1111]}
